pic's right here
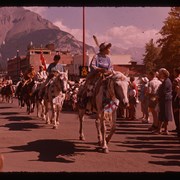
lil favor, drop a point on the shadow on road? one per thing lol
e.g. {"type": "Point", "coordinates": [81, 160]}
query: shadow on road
{"type": "Point", "coordinates": [8, 113]}
{"type": "Point", "coordinates": [19, 118]}
{"type": "Point", "coordinates": [163, 148]}
{"type": "Point", "coordinates": [21, 126]}
{"type": "Point", "coordinates": [50, 150]}
{"type": "Point", "coordinates": [5, 107]}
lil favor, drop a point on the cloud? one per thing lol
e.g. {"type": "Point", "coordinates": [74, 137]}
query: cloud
{"type": "Point", "coordinates": [128, 36]}
{"type": "Point", "coordinates": [120, 36]}
{"type": "Point", "coordinates": [77, 33]}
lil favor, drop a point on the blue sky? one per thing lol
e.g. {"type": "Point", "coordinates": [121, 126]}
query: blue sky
{"type": "Point", "coordinates": [122, 26]}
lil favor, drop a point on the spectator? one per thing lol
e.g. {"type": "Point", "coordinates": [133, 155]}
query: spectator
{"type": "Point", "coordinates": [153, 86]}
{"type": "Point", "coordinates": [176, 99]}
{"type": "Point", "coordinates": [165, 102]}
{"type": "Point", "coordinates": [1, 162]}
{"type": "Point", "coordinates": [144, 99]}
{"type": "Point", "coordinates": [133, 95]}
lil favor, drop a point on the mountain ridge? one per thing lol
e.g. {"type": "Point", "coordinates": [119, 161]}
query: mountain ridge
{"type": "Point", "coordinates": [20, 27]}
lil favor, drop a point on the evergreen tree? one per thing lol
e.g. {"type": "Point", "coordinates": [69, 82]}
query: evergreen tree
{"type": "Point", "coordinates": [170, 41]}
{"type": "Point", "coordinates": [151, 56]}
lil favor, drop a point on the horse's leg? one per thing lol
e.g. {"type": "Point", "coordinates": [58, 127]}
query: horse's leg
{"type": "Point", "coordinates": [98, 127]}
{"type": "Point", "coordinates": [112, 126]}
{"type": "Point", "coordinates": [12, 98]}
{"type": "Point", "coordinates": [32, 104]}
{"type": "Point", "coordinates": [22, 101]}
{"type": "Point", "coordinates": [46, 114]}
{"type": "Point", "coordinates": [42, 109]}
{"type": "Point", "coordinates": [38, 108]}
{"type": "Point", "coordinates": [58, 114]}
{"type": "Point", "coordinates": [27, 106]}
{"type": "Point", "coordinates": [81, 113]}
{"type": "Point", "coordinates": [54, 115]}
{"type": "Point", "coordinates": [103, 131]}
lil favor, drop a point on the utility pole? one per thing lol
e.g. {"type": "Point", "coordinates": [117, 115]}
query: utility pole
{"type": "Point", "coordinates": [83, 68]}
{"type": "Point", "coordinates": [84, 50]}
{"type": "Point", "coordinates": [17, 57]}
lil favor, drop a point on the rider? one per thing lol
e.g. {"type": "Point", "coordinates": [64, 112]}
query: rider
{"type": "Point", "coordinates": [100, 65]}
{"type": "Point", "coordinates": [52, 71]}
{"type": "Point", "coordinates": [29, 74]}
{"type": "Point", "coordinates": [9, 80]}
{"type": "Point", "coordinates": [41, 74]}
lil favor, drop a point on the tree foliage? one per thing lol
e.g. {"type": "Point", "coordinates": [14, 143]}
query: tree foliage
{"type": "Point", "coordinates": [151, 56]}
{"type": "Point", "coordinates": [167, 52]}
{"type": "Point", "coordinates": [169, 56]}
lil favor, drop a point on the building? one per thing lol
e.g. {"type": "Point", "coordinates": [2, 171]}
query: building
{"type": "Point", "coordinates": [72, 63]}
{"type": "Point", "coordinates": [34, 57]}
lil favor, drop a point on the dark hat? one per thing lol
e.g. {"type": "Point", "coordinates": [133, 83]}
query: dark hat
{"type": "Point", "coordinates": [57, 57]}
{"type": "Point", "coordinates": [104, 45]}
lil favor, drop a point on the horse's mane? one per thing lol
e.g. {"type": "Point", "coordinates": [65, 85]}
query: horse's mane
{"type": "Point", "coordinates": [117, 75]}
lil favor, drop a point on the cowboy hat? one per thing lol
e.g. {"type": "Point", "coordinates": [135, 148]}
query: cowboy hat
{"type": "Point", "coordinates": [104, 45]}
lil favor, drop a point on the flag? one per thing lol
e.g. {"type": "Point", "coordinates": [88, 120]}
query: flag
{"type": "Point", "coordinates": [43, 62]}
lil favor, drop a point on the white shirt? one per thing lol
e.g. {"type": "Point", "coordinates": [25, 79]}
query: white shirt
{"type": "Point", "coordinates": [154, 85]}
{"type": "Point", "coordinates": [40, 76]}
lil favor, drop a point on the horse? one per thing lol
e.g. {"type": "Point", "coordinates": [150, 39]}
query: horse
{"type": "Point", "coordinates": [28, 96]}
{"type": "Point", "coordinates": [54, 96]}
{"type": "Point", "coordinates": [7, 93]}
{"type": "Point", "coordinates": [18, 93]}
{"type": "Point", "coordinates": [107, 94]}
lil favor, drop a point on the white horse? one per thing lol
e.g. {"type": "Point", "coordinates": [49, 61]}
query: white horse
{"type": "Point", "coordinates": [106, 96]}
{"type": "Point", "coordinates": [54, 97]}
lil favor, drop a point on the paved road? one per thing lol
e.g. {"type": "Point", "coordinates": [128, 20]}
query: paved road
{"type": "Point", "coordinates": [29, 145]}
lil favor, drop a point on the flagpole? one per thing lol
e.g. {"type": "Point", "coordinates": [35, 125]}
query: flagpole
{"type": "Point", "coordinates": [84, 53]}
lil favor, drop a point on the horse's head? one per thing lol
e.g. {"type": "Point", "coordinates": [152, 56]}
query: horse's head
{"type": "Point", "coordinates": [63, 79]}
{"type": "Point", "coordinates": [120, 83]}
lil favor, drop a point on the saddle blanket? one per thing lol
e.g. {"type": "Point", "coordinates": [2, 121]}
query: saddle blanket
{"type": "Point", "coordinates": [113, 105]}
{"type": "Point", "coordinates": [58, 99]}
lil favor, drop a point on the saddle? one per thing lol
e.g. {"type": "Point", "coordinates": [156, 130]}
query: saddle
{"type": "Point", "coordinates": [90, 89]}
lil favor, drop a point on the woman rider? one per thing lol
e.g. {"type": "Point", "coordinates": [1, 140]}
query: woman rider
{"type": "Point", "coordinates": [100, 65]}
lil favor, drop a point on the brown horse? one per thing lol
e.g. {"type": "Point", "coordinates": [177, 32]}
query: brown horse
{"type": "Point", "coordinates": [7, 93]}
{"type": "Point", "coordinates": [105, 99]}
{"type": "Point", "coordinates": [28, 96]}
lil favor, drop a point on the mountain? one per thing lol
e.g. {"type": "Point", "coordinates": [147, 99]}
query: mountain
{"type": "Point", "coordinates": [20, 27]}
{"type": "Point", "coordinates": [135, 52]}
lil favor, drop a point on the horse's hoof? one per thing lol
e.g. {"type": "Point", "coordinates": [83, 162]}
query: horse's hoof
{"type": "Point", "coordinates": [55, 127]}
{"type": "Point", "coordinates": [81, 138]}
{"type": "Point", "coordinates": [99, 143]}
{"type": "Point", "coordinates": [105, 150]}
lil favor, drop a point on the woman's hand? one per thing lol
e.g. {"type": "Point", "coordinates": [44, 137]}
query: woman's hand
{"type": "Point", "coordinates": [102, 70]}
